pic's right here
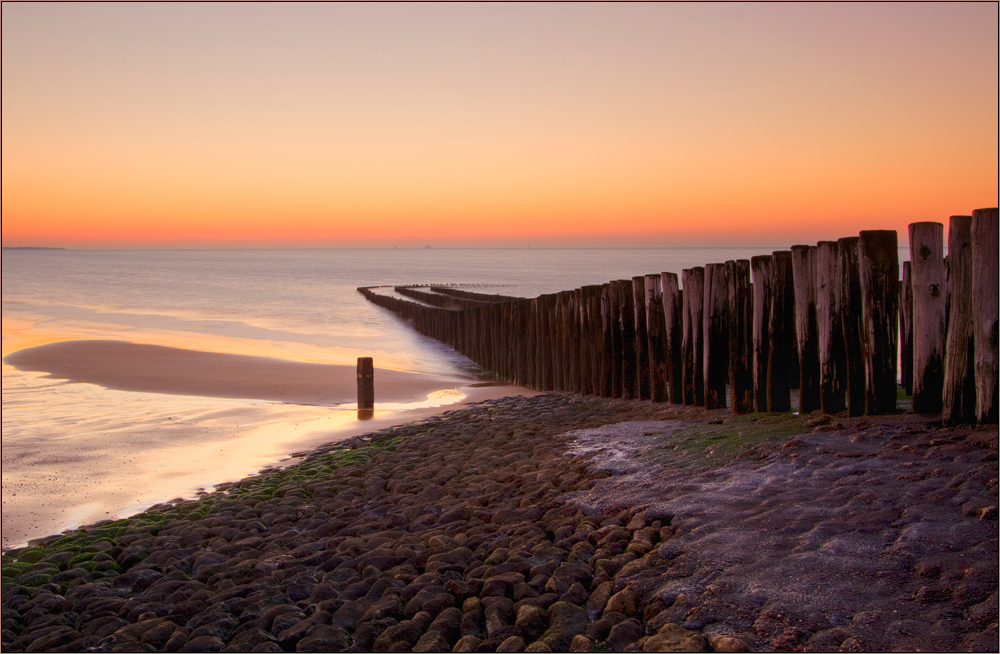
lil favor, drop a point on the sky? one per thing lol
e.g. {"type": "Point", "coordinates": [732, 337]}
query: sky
{"type": "Point", "coordinates": [474, 125]}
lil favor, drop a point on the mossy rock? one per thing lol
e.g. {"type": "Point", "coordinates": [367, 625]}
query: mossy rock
{"type": "Point", "coordinates": [34, 578]}
{"type": "Point", "coordinates": [30, 554]}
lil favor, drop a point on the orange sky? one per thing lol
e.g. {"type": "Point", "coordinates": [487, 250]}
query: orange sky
{"type": "Point", "coordinates": [269, 125]}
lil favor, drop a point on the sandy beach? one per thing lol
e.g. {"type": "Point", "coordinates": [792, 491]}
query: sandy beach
{"type": "Point", "coordinates": [196, 419]}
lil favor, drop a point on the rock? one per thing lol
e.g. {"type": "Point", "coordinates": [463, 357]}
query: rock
{"type": "Point", "coordinates": [576, 594]}
{"type": "Point", "coordinates": [598, 600]}
{"type": "Point", "coordinates": [447, 624]}
{"type": "Point", "coordinates": [407, 631]}
{"type": "Point", "coordinates": [538, 646]}
{"type": "Point", "coordinates": [467, 643]}
{"type": "Point", "coordinates": [158, 636]}
{"type": "Point", "coordinates": [249, 639]}
{"type": "Point", "coordinates": [565, 621]}
{"type": "Point", "coordinates": [388, 607]}
{"type": "Point", "coordinates": [203, 644]}
{"type": "Point", "coordinates": [621, 602]}
{"type": "Point", "coordinates": [725, 643]}
{"type": "Point", "coordinates": [432, 641]}
{"type": "Point", "coordinates": [530, 623]}
{"type": "Point", "coordinates": [581, 643]}
{"type": "Point", "coordinates": [623, 634]}
{"type": "Point", "coordinates": [512, 644]}
{"type": "Point", "coordinates": [349, 615]}
{"type": "Point", "coordinates": [673, 638]}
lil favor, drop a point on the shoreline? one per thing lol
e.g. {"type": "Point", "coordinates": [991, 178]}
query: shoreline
{"type": "Point", "coordinates": [549, 523]}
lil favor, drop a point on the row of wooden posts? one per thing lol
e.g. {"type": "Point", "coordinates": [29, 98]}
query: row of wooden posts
{"type": "Point", "coordinates": [831, 321]}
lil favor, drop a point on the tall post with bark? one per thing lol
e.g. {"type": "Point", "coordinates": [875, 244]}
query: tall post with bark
{"type": "Point", "coordinates": [716, 337]}
{"type": "Point", "coordinates": [906, 328]}
{"type": "Point", "coordinates": [959, 398]}
{"type": "Point", "coordinates": [626, 320]}
{"type": "Point", "coordinates": [740, 312]}
{"type": "Point", "coordinates": [985, 309]}
{"type": "Point", "coordinates": [657, 341]}
{"type": "Point", "coordinates": [832, 362]}
{"type": "Point", "coordinates": [608, 352]}
{"type": "Point", "coordinates": [641, 337]}
{"type": "Point", "coordinates": [851, 323]}
{"type": "Point", "coordinates": [694, 354]}
{"type": "Point", "coordinates": [760, 267]}
{"type": "Point", "coordinates": [879, 260]}
{"type": "Point", "coordinates": [807, 340]}
{"type": "Point", "coordinates": [673, 327]}
{"type": "Point", "coordinates": [781, 341]}
{"type": "Point", "coordinates": [929, 290]}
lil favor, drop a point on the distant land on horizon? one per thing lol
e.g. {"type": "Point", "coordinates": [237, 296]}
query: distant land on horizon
{"type": "Point", "coordinates": [30, 247]}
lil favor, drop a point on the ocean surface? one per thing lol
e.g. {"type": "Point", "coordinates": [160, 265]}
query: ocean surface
{"type": "Point", "coordinates": [292, 304]}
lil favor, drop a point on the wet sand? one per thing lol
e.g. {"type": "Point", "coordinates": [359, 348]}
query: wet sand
{"type": "Point", "coordinates": [124, 366]}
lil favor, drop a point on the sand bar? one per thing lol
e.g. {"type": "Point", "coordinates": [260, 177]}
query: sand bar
{"type": "Point", "coordinates": [124, 366]}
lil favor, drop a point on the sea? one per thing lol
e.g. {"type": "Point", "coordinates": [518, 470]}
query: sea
{"type": "Point", "coordinates": [74, 453]}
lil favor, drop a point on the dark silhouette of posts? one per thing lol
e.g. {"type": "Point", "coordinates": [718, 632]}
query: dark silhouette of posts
{"type": "Point", "coordinates": [693, 321]}
{"type": "Point", "coordinates": [832, 363]}
{"type": "Point", "coordinates": [673, 321]}
{"type": "Point", "coordinates": [716, 336]}
{"type": "Point", "coordinates": [807, 340]}
{"type": "Point", "coordinates": [879, 266]}
{"type": "Point", "coordinates": [781, 334]}
{"type": "Point", "coordinates": [610, 378]}
{"type": "Point", "coordinates": [626, 321]}
{"type": "Point", "coordinates": [740, 311]}
{"type": "Point", "coordinates": [929, 289]}
{"type": "Point", "coordinates": [366, 388]}
{"type": "Point", "coordinates": [959, 396]}
{"type": "Point", "coordinates": [985, 309]}
{"type": "Point", "coordinates": [656, 334]}
{"type": "Point", "coordinates": [760, 267]}
{"type": "Point", "coordinates": [641, 337]}
{"type": "Point", "coordinates": [851, 324]}
{"type": "Point", "coordinates": [906, 328]}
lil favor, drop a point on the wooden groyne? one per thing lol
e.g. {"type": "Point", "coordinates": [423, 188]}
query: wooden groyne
{"type": "Point", "coordinates": [831, 322]}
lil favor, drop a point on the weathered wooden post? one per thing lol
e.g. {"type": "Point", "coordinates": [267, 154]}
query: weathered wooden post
{"type": "Point", "coordinates": [929, 292]}
{"type": "Point", "coordinates": [851, 323]}
{"type": "Point", "coordinates": [626, 318]}
{"type": "Point", "coordinates": [641, 337]}
{"type": "Point", "coordinates": [985, 311]}
{"type": "Point", "coordinates": [832, 363]}
{"type": "Point", "coordinates": [760, 267]}
{"type": "Point", "coordinates": [716, 336]}
{"type": "Point", "coordinates": [366, 388]}
{"type": "Point", "coordinates": [609, 378]}
{"type": "Point", "coordinates": [807, 339]}
{"type": "Point", "coordinates": [657, 341]}
{"type": "Point", "coordinates": [740, 312]}
{"type": "Point", "coordinates": [879, 260]}
{"type": "Point", "coordinates": [693, 324]}
{"type": "Point", "coordinates": [906, 328]}
{"type": "Point", "coordinates": [673, 335]}
{"type": "Point", "coordinates": [780, 332]}
{"type": "Point", "coordinates": [959, 397]}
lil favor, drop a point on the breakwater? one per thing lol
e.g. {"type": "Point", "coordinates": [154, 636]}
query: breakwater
{"type": "Point", "coordinates": [830, 323]}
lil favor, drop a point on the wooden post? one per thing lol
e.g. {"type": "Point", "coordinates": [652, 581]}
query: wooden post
{"type": "Point", "coordinates": [641, 337]}
{"type": "Point", "coordinates": [760, 267]}
{"type": "Point", "coordinates": [807, 340]}
{"type": "Point", "coordinates": [906, 328]}
{"type": "Point", "coordinates": [693, 324]}
{"type": "Point", "coordinates": [985, 309]}
{"type": "Point", "coordinates": [929, 289]}
{"type": "Point", "coordinates": [832, 362]}
{"type": "Point", "coordinates": [366, 388]}
{"type": "Point", "coordinates": [609, 378]}
{"type": "Point", "coordinates": [716, 336]}
{"type": "Point", "coordinates": [781, 341]}
{"type": "Point", "coordinates": [959, 396]}
{"type": "Point", "coordinates": [740, 312]}
{"type": "Point", "coordinates": [879, 265]}
{"type": "Point", "coordinates": [851, 324]}
{"type": "Point", "coordinates": [657, 341]}
{"type": "Point", "coordinates": [626, 320]}
{"type": "Point", "coordinates": [673, 325]}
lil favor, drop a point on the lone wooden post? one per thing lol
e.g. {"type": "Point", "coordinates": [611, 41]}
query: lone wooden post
{"type": "Point", "coordinates": [879, 260]}
{"type": "Point", "coordinates": [641, 337]}
{"type": "Point", "coordinates": [673, 335]}
{"type": "Point", "coordinates": [693, 321]}
{"type": "Point", "coordinates": [959, 401]}
{"type": "Point", "coordinates": [906, 328]}
{"type": "Point", "coordinates": [655, 332]}
{"type": "Point", "coordinates": [626, 319]}
{"type": "Point", "coordinates": [740, 337]}
{"type": "Point", "coordinates": [806, 337]}
{"type": "Point", "coordinates": [609, 377]}
{"type": "Point", "coordinates": [716, 336]}
{"type": "Point", "coordinates": [985, 310]}
{"type": "Point", "coordinates": [832, 363]}
{"type": "Point", "coordinates": [366, 388]}
{"type": "Point", "coordinates": [851, 323]}
{"type": "Point", "coordinates": [780, 334]}
{"type": "Point", "coordinates": [929, 292]}
{"type": "Point", "coordinates": [760, 267]}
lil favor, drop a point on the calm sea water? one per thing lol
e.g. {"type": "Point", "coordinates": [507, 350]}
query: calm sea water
{"type": "Point", "coordinates": [294, 304]}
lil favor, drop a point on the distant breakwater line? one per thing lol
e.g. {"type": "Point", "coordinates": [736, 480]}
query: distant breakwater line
{"type": "Point", "coordinates": [831, 321]}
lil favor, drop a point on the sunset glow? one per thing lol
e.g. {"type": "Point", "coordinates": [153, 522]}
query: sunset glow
{"type": "Point", "coordinates": [556, 125]}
